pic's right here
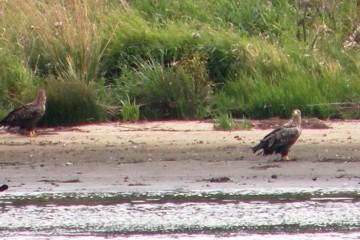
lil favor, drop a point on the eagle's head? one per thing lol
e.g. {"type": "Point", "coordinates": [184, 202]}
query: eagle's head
{"type": "Point", "coordinates": [296, 116]}
{"type": "Point", "coordinates": [41, 98]}
{"type": "Point", "coordinates": [296, 113]}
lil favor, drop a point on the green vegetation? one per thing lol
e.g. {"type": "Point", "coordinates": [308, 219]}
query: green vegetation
{"type": "Point", "coordinates": [181, 59]}
{"type": "Point", "coordinates": [130, 112]}
{"type": "Point", "coordinates": [226, 122]}
{"type": "Point", "coordinates": [71, 103]}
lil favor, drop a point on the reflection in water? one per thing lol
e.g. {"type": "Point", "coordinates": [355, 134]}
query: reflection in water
{"type": "Point", "coordinates": [195, 215]}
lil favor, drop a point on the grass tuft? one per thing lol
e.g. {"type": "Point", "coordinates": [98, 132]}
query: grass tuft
{"type": "Point", "coordinates": [226, 122]}
{"type": "Point", "coordinates": [130, 112]}
{"type": "Point", "coordinates": [71, 103]}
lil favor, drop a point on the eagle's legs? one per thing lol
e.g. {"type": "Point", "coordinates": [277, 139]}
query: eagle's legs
{"type": "Point", "coordinates": [32, 133]}
{"type": "Point", "coordinates": [285, 158]}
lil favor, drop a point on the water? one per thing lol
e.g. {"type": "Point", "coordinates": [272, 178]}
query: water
{"type": "Point", "coordinates": [230, 214]}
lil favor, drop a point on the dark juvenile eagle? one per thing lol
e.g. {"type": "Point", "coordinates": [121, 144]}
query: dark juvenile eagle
{"type": "Point", "coordinates": [280, 140]}
{"type": "Point", "coordinates": [26, 116]}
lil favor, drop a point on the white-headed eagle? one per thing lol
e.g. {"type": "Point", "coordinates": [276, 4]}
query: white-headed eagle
{"type": "Point", "coordinates": [26, 116]}
{"type": "Point", "coordinates": [280, 140]}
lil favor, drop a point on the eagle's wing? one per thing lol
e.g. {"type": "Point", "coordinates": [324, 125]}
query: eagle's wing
{"type": "Point", "coordinates": [24, 113]}
{"type": "Point", "coordinates": [12, 116]}
{"type": "Point", "coordinates": [284, 136]}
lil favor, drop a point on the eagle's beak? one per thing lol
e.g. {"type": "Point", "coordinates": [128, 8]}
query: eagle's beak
{"type": "Point", "coordinates": [295, 113]}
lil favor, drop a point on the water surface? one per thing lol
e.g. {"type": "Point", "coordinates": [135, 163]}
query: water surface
{"type": "Point", "coordinates": [230, 214]}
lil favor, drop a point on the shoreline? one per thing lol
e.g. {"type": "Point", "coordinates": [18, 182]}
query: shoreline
{"type": "Point", "coordinates": [173, 155]}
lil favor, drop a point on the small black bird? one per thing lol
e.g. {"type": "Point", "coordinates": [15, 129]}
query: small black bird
{"type": "Point", "coordinates": [3, 188]}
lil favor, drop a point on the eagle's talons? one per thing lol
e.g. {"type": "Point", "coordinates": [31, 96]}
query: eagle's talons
{"type": "Point", "coordinates": [32, 134]}
{"type": "Point", "coordinates": [286, 158]}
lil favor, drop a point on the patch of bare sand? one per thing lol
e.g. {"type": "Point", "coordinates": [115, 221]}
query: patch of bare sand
{"type": "Point", "coordinates": [175, 155]}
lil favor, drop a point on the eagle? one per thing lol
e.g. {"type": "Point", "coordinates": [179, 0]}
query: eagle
{"type": "Point", "coordinates": [280, 140]}
{"type": "Point", "coordinates": [26, 116]}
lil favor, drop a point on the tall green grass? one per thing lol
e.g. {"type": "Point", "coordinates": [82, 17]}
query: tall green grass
{"type": "Point", "coordinates": [59, 37]}
{"type": "Point", "coordinates": [247, 17]}
{"type": "Point", "coordinates": [16, 82]}
{"type": "Point", "coordinates": [182, 90]}
{"type": "Point", "coordinates": [71, 103]}
{"type": "Point", "coordinates": [275, 81]}
{"type": "Point", "coordinates": [182, 59]}
{"type": "Point", "coordinates": [61, 41]}
{"type": "Point", "coordinates": [130, 111]}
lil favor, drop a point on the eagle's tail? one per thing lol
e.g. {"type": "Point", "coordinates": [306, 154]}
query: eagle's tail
{"type": "Point", "coordinates": [258, 149]}
{"type": "Point", "coordinates": [4, 124]}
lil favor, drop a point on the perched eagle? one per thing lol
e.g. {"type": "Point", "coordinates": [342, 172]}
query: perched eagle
{"type": "Point", "coordinates": [26, 116]}
{"type": "Point", "coordinates": [281, 139]}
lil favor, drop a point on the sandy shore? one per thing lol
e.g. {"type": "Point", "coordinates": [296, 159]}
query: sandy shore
{"type": "Point", "coordinates": [175, 155]}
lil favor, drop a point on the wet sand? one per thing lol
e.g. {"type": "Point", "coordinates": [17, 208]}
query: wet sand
{"type": "Point", "coordinates": [175, 156]}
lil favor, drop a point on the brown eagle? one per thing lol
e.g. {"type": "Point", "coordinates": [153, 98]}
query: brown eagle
{"type": "Point", "coordinates": [280, 140]}
{"type": "Point", "coordinates": [26, 116]}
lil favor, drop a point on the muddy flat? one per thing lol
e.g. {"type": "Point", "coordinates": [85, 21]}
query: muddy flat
{"type": "Point", "coordinates": [172, 155]}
